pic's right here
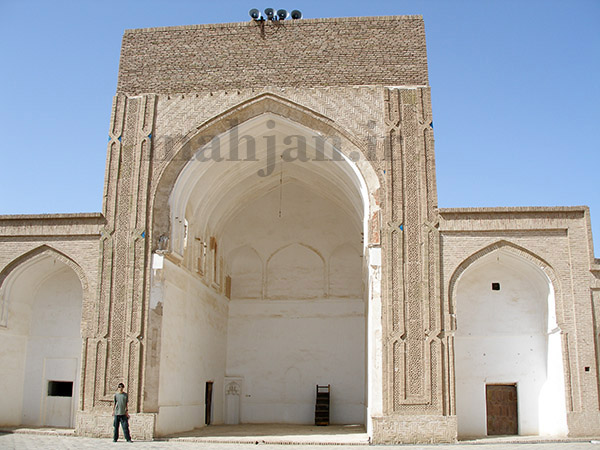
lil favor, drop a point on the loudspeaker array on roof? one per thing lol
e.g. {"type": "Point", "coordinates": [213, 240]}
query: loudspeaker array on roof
{"type": "Point", "coordinates": [271, 14]}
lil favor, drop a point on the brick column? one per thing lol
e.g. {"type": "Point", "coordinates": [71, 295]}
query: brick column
{"type": "Point", "coordinates": [114, 344]}
{"type": "Point", "coordinates": [416, 376]}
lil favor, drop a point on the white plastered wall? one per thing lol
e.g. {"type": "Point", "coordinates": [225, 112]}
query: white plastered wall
{"type": "Point", "coordinates": [41, 342]}
{"type": "Point", "coordinates": [508, 336]}
{"type": "Point", "coordinates": [306, 326]}
{"type": "Point", "coordinates": [193, 348]}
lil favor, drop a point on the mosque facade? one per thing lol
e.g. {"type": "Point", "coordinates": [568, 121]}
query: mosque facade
{"type": "Point", "coordinates": [270, 224]}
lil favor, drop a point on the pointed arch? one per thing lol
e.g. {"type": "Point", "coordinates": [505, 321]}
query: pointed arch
{"type": "Point", "coordinates": [41, 251]}
{"type": "Point", "coordinates": [304, 266]}
{"type": "Point", "coordinates": [369, 179]}
{"type": "Point", "coordinates": [29, 257]}
{"type": "Point", "coordinates": [42, 297]}
{"type": "Point", "coordinates": [490, 331]}
{"type": "Point", "coordinates": [518, 251]}
{"type": "Point", "coordinates": [246, 273]}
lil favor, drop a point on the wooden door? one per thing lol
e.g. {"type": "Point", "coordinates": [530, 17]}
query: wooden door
{"type": "Point", "coordinates": [501, 406]}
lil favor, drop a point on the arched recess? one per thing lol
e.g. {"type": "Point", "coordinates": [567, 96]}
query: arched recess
{"type": "Point", "coordinates": [44, 250]}
{"type": "Point", "coordinates": [507, 306]}
{"type": "Point", "coordinates": [247, 202]}
{"type": "Point", "coordinates": [247, 271]}
{"type": "Point", "coordinates": [42, 293]}
{"type": "Point", "coordinates": [295, 271]}
{"type": "Point", "coordinates": [350, 147]}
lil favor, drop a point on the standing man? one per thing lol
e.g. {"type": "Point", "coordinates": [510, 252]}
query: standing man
{"type": "Point", "coordinates": [121, 413]}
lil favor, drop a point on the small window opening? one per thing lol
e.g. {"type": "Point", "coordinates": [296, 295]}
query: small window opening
{"type": "Point", "coordinates": [185, 233]}
{"type": "Point", "coordinates": [495, 286]}
{"type": "Point", "coordinates": [587, 369]}
{"type": "Point", "coordinates": [60, 389]}
{"type": "Point", "coordinates": [228, 287]}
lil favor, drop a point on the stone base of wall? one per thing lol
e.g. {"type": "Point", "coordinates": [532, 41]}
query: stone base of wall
{"type": "Point", "coordinates": [584, 424]}
{"type": "Point", "coordinates": [100, 425]}
{"type": "Point", "coordinates": [414, 429]}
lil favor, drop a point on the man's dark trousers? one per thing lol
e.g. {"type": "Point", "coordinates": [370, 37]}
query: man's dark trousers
{"type": "Point", "coordinates": [125, 424]}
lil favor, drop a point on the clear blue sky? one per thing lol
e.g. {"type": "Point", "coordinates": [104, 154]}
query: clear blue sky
{"type": "Point", "coordinates": [515, 95]}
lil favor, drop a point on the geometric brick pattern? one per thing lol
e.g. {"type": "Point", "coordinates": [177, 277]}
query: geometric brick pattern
{"type": "Point", "coordinates": [306, 53]}
{"type": "Point", "coordinates": [412, 328]}
{"type": "Point", "coordinates": [114, 351]}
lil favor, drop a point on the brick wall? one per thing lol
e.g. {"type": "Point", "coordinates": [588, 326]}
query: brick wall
{"type": "Point", "coordinates": [316, 52]}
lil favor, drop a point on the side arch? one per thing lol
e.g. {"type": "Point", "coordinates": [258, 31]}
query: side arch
{"type": "Point", "coordinates": [30, 257]}
{"type": "Point", "coordinates": [517, 250]}
{"type": "Point", "coordinates": [491, 331]}
{"type": "Point", "coordinates": [43, 250]}
{"type": "Point", "coordinates": [42, 295]}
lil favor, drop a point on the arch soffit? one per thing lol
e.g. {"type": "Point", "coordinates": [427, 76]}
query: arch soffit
{"type": "Point", "coordinates": [242, 112]}
{"type": "Point", "coordinates": [38, 253]}
{"type": "Point", "coordinates": [517, 251]}
{"type": "Point", "coordinates": [211, 207]}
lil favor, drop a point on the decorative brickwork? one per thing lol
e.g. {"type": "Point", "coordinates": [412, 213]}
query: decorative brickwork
{"type": "Point", "coordinates": [114, 351]}
{"type": "Point", "coordinates": [316, 52]}
{"type": "Point", "coordinates": [413, 355]}
{"type": "Point", "coordinates": [99, 425]}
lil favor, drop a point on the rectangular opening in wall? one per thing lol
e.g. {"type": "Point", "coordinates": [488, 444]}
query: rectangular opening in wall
{"type": "Point", "coordinates": [495, 286]}
{"type": "Point", "coordinates": [60, 389]}
{"type": "Point", "coordinates": [208, 403]}
{"type": "Point", "coordinates": [501, 408]}
{"type": "Point", "coordinates": [228, 286]}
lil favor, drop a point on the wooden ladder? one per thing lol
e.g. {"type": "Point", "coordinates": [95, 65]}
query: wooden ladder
{"type": "Point", "coordinates": [322, 405]}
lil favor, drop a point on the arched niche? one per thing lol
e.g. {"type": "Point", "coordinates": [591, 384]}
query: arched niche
{"type": "Point", "coordinates": [508, 353]}
{"type": "Point", "coordinates": [246, 274]}
{"type": "Point", "coordinates": [295, 272]}
{"type": "Point", "coordinates": [176, 181]}
{"type": "Point", "coordinates": [42, 293]}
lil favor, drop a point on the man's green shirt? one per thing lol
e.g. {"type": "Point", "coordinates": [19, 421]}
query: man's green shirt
{"type": "Point", "coordinates": [121, 402]}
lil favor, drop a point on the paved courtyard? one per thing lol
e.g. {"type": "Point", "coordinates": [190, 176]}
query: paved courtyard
{"type": "Point", "coordinates": [36, 440]}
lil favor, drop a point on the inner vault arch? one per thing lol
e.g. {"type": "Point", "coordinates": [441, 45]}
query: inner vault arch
{"type": "Point", "coordinates": [287, 193]}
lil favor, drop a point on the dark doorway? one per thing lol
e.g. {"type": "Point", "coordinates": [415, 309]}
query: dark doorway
{"type": "Point", "coordinates": [501, 406]}
{"type": "Point", "coordinates": [208, 402]}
